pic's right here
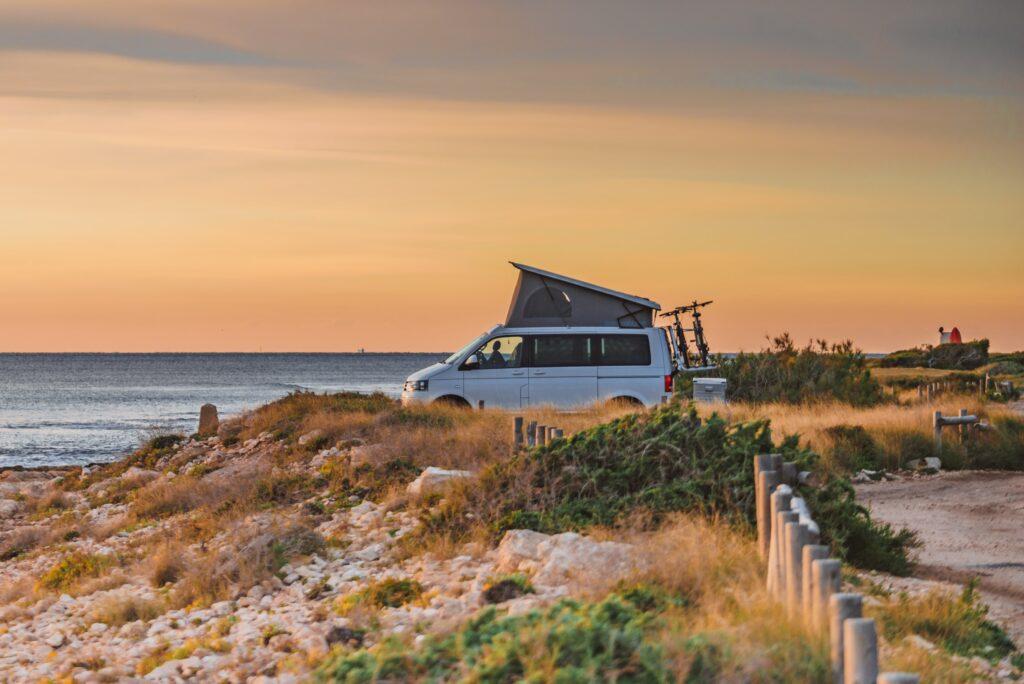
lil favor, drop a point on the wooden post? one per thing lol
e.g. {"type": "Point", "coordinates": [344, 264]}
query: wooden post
{"type": "Point", "coordinates": [898, 678]}
{"type": "Point", "coordinates": [517, 433]}
{"type": "Point", "coordinates": [962, 427]}
{"type": "Point", "coordinates": [531, 434]}
{"type": "Point", "coordinates": [551, 433]}
{"type": "Point", "coordinates": [776, 462]}
{"type": "Point", "coordinates": [559, 433]}
{"type": "Point", "coordinates": [841, 607]}
{"type": "Point", "coordinates": [761, 462]}
{"type": "Point", "coordinates": [778, 503]}
{"type": "Point", "coordinates": [860, 651]}
{"type": "Point", "coordinates": [937, 422]}
{"type": "Point", "coordinates": [812, 552]}
{"type": "Point", "coordinates": [766, 484]}
{"type": "Point", "coordinates": [542, 435]}
{"type": "Point", "coordinates": [795, 539]}
{"type": "Point", "coordinates": [779, 549]}
{"type": "Point", "coordinates": [789, 473]}
{"type": "Point", "coordinates": [826, 580]}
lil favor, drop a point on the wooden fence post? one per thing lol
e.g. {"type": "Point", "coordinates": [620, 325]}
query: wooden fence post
{"type": "Point", "coordinates": [766, 484]}
{"type": "Point", "coordinates": [778, 503]}
{"type": "Point", "coordinates": [937, 423]}
{"type": "Point", "coordinates": [789, 473]}
{"type": "Point", "coordinates": [531, 434]}
{"type": "Point", "coordinates": [812, 553]}
{"type": "Point", "coordinates": [795, 539]}
{"type": "Point", "coordinates": [841, 607]}
{"type": "Point", "coordinates": [779, 549]}
{"type": "Point", "coordinates": [860, 651]}
{"type": "Point", "coordinates": [826, 580]}
{"type": "Point", "coordinates": [517, 433]}
{"type": "Point", "coordinates": [542, 435]}
{"type": "Point", "coordinates": [962, 427]}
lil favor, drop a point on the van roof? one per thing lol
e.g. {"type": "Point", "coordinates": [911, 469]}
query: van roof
{"type": "Point", "coordinates": [647, 303]}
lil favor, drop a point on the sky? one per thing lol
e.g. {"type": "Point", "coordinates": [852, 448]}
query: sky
{"type": "Point", "coordinates": [246, 175]}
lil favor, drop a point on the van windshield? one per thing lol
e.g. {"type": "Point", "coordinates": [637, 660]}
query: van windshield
{"type": "Point", "coordinates": [471, 347]}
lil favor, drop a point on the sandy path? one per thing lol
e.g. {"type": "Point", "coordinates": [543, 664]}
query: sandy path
{"type": "Point", "coordinates": [971, 524]}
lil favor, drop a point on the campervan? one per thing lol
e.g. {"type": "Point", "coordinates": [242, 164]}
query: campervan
{"type": "Point", "coordinates": [564, 343]}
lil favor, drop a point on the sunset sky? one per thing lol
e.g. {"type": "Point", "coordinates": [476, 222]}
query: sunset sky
{"type": "Point", "coordinates": [244, 175]}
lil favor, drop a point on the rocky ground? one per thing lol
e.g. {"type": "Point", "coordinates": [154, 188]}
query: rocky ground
{"type": "Point", "coordinates": [276, 628]}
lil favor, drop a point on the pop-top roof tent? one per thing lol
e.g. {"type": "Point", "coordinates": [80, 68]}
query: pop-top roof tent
{"type": "Point", "coordinates": [542, 298]}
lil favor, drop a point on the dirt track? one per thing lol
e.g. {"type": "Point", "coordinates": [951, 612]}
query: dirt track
{"type": "Point", "coordinates": [971, 524]}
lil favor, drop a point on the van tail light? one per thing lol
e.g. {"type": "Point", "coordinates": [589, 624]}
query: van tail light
{"type": "Point", "coordinates": [668, 384]}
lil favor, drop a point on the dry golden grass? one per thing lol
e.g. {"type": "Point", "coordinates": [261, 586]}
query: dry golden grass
{"type": "Point", "coordinates": [120, 609]}
{"type": "Point", "coordinates": [729, 616]}
{"type": "Point", "coordinates": [889, 424]}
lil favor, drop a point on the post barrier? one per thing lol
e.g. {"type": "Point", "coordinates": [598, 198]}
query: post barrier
{"type": "Point", "coordinates": [795, 538]}
{"type": "Point", "coordinates": [811, 553]}
{"type": "Point", "coordinates": [767, 482]}
{"type": "Point", "coordinates": [789, 473]}
{"type": "Point", "coordinates": [841, 607]}
{"type": "Point", "coordinates": [826, 580]}
{"type": "Point", "coordinates": [860, 651]}
{"type": "Point", "coordinates": [517, 433]}
{"type": "Point", "coordinates": [531, 434]}
{"type": "Point", "coordinates": [542, 435]}
{"type": "Point", "coordinates": [779, 503]}
{"type": "Point", "coordinates": [802, 577]}
{"type": "Point", "coordinates": [559, 433]}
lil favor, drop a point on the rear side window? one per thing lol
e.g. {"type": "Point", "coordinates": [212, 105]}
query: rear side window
{"type": "Point", "coordinates": [625, 350]}
{"type": "Point", "coordinates": [561, 350]}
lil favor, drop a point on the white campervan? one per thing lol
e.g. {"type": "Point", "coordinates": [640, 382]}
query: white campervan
{"type": "Point", "coordinates": [565, 343]}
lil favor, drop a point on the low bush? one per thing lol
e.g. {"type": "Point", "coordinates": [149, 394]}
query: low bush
{"type": "Point", "coordinates": [656, 463]}
{"type": "Point", "coordinates": [72, 568]}
{"type": "Point", "coordinates": [567, 642]}
{"type": "Point", "coordinates": [387, 593]}
{"type": "Point", "coordinates": [959, 625]}
{"type": "Point", "coordinates": [965, 356]}
{"type": "Point", "coordinates": [784, 373]}
{"type": "Point", "coordinates": [507, 587]}
{"type": "Point", "coordinates": [283, 417]}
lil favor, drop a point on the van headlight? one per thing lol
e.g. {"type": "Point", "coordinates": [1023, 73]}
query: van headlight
{"type": "Point", "coordinates": [416, 385]}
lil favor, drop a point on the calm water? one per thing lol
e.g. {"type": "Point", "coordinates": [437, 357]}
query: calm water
{"type": "Point", "coordinates": [80, 408]}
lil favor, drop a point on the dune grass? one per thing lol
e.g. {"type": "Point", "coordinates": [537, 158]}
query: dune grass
{"type": "Point", "coordinates": [887, 436]}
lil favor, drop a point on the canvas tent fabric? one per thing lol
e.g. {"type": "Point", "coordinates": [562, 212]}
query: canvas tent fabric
{"type": "Point", "coordinates": [542, 298]}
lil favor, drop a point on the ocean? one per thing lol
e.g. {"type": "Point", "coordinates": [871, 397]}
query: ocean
{"type": "Point", "coordinates": [61, 409]}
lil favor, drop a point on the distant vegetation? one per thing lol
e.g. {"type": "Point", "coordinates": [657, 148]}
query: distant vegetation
{"type": "Point", "coordinates": [784, 372]}
{"type": "Point", "coordinates": [966, 356]}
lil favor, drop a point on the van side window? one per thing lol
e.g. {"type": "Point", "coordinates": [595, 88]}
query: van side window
{"type": "Point", "coordinates": [561, 350]}
{"type": "Point", "coordinates": [497, 352]}
{"type": "Point", "coordinates": [625, 350]}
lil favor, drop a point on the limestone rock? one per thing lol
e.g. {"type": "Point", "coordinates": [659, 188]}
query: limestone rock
{"type": "Point", "coordinates": [9, 508]}
{"type": "Point", "coordinates": [567, 559]}
{"type": "Point", "coordinates": [433, 478]}
{"type": "Point", "coordinates": [208, 420]}
{"type": "Point", "coordinates": [310, 436]}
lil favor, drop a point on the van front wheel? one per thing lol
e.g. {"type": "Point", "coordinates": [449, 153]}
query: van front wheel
{"type": "Point", "coordinates": [452, 400]}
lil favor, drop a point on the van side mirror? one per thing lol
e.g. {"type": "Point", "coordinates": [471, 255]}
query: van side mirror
{"type": "Point", "coordinates": [472, 362]}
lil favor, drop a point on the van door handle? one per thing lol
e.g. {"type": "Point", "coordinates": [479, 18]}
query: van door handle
{"type": "Point", "coordinates": [539, 372]}
{"type": "Point", "coordinates": [519, 373]}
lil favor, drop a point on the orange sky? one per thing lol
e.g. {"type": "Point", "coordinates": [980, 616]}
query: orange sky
{"type": "Point", "coordinates": [320, 176]}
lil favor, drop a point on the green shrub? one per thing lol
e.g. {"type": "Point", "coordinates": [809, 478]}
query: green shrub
{"type": "Point", "coordinates": [368, 480]}
{"type": "Point", "coordinates": [965, 356]}
{"type": "Point", "coordinates": [567, 642]}
{"type": "Point", "coordinates": [387, 593]}
{"type": "Point", "coordinates": [853, 448]}
{"type": "Point", "coordinates": [73, 567]}
{"type": "Point", "coordinates": [655, 463]}
{"type": "Point", "coordinates": [784, 373]}
{"type": "Point", "coordinates": [957, 624]}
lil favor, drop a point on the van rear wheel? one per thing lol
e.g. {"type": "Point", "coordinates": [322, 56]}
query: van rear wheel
{"type": "Point", "coordinates": [625, 403]}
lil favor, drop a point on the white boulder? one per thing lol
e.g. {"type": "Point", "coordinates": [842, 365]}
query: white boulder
{"type": "Point", "coordinates": [567, 559]}
{"type": "Point", "coordinates": [433, 478]}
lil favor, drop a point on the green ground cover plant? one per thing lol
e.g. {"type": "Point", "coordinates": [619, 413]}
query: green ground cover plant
{"type": "Point", "coordinates": [570, 641]}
